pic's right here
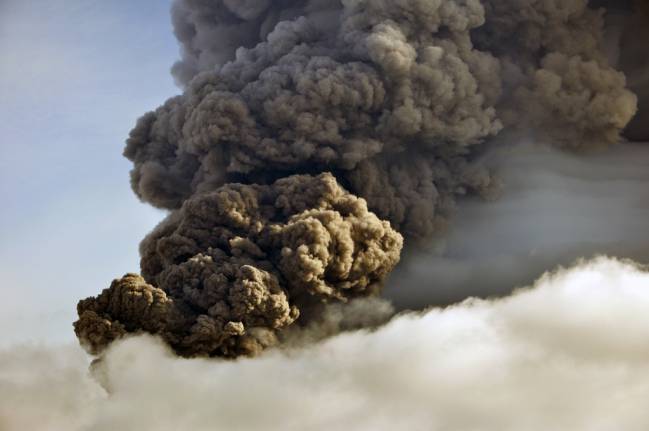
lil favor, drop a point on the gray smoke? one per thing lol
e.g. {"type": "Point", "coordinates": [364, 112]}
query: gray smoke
{"type": "Point", "coordinates": [396, 99]}
{"type": "Point", "coordinates": [627, 31]}
{"type": "Point", "coordinates": [554, 208]}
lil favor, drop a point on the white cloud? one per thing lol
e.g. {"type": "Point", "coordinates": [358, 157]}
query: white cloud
{"type": "Point", "coordinates": [569, 354]}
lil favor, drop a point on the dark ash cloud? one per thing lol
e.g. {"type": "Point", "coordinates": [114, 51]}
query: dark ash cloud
{"type": "Point", "coordinates": [395, 99]}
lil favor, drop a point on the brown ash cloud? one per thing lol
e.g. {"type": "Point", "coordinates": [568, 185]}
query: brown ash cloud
{"type": "Point", "coordinates": [371, 89]}
{"type": "Point", "coordinates": [233, 267]}
{"type": "Point", "coordinates": [395, 100]}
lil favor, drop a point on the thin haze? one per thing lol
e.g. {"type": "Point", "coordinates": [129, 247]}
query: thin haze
{"type": "Point", "coordinates": [553, 208]}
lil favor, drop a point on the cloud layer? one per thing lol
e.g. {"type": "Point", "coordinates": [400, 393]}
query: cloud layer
{"type": "Point", "coordinates": [568, 354]}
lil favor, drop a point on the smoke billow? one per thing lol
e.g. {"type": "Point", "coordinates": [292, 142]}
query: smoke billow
{"type": "Point", "coordinates": [394, 97]}
{"type": "Point", "coordinates": [310, 131]}
{"type": "Point", "coordinates": [626, 35]}
{"type": "Point", "coordinates": [568, 354]}
{"type": "Point", "coordinates": [231, 267]}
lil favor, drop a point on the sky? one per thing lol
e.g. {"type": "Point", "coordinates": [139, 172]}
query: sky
{"type": "Point", "coordinates": [74, 77]}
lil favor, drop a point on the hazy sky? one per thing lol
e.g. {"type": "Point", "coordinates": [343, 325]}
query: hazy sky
{"type": "Point", "coordinates": [74, 77]}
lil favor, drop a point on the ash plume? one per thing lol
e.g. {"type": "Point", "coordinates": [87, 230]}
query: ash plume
{"type": "Point", "coordinates": [393, 100]}
{"type": "Point", "coordinates": [232, 267]}
{"type": "Point", "coordinates": [369, 89]}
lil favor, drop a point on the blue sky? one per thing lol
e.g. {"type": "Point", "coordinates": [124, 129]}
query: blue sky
{"type": "Point", "coordinates": [74, 77]}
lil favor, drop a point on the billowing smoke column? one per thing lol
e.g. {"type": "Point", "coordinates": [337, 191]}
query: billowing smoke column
{"type": "Point", "coordinates": [230, 268]}
{"type": "Point", "coordinates": [394, 99]}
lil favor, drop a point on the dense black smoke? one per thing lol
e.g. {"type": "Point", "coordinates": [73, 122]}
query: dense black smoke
{"type": "Point", "coordinates": [395, 98]}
